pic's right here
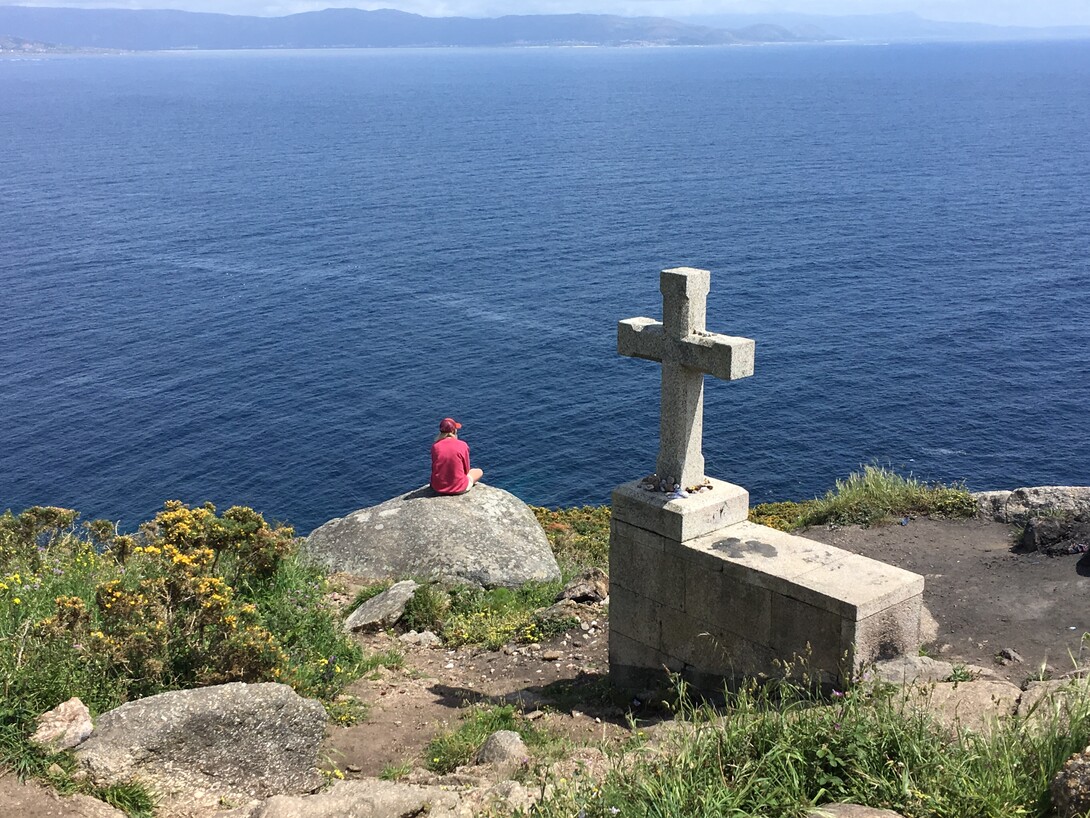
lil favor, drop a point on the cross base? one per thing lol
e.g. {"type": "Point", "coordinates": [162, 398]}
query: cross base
{"type": "Point", "coordinates": [682, 519]}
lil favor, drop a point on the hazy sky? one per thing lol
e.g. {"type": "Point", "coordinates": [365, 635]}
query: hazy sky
{"type": "Point", "coordinates": [1001, 12]}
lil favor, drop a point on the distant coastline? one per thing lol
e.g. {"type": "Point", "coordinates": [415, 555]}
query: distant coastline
{"type": "Point", "coordinates": [40, 30]}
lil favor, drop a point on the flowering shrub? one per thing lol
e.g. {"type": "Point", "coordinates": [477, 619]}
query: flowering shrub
{"type": "Point", "coordinates": [194, 598]}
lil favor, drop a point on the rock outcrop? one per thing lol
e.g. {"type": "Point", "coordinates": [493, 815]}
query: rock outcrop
{"type": "Point", "coordinates": [1057, 536]}
{"type": "Point", "coordinates": [1019, 505]}
{"type": "Point", "coordinates": [485, 537]}
{"type": "Point", "coordinates": [1071, 787]}
{"type": "Point", "coordinates": [371, 798]}
{"type": "Point", "coordinates": [196, 747]}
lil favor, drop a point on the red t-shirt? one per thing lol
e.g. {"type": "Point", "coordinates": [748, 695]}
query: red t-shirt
{"type": "Point", "coordinates": [449, 466]}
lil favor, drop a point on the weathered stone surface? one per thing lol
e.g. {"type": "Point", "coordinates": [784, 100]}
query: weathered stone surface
{"type": "Point", "coordinates": [367, 798]}
{"type": "Point", "coordinates": [1019, 505]}
{"type": "Point", "coordinates": [912, 668]}
{"type": "Point", "coordinates": [850, 811]}
{"type": "Point", "coordinates": [1051, 703]}
{"type": "Point", "coordinates": [63, 727]}
{"type": "Point", "coordinates": [1057, 536]}
{"type": "Point", "coordinates": [1071, 787]}
{"type": "Point", "coordinates": [425, 639]}
{"type": "Point", "coordinates": [486, 537]}
{"type": "Point", "coordinates": [590, 586]}
{"type": "Point", "coordinates": [974, 705]}
{"type": "Point", "coordinates": [234, 741]}
{"type": "Point", "coordinates": [383, 610]}
{"type": "Point", "coordinates": [504, 747]}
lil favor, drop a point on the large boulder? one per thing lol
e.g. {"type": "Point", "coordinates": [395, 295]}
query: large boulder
{"type": "Point", "coordinates": [199, 747]}
{"type": "Point", "coordinates": [367, 798]}
{"type": "Point", "coordinates": [485, 537]}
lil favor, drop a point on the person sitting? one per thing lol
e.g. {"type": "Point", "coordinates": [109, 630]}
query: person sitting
{"type": "Point", "coordinates": [450, 471]}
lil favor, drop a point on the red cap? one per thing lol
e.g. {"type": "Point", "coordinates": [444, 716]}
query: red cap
{"type": "Point", "coordinates": [448, 425]}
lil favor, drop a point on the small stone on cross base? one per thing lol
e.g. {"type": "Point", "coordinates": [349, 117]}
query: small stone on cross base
{"type": "Point", "coordinates": [687, 352]}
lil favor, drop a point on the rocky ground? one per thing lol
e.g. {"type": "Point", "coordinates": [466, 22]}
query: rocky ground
{"type": "Point", "coordinates": [1017, 614]}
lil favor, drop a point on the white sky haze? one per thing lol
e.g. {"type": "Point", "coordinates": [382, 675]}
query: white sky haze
{"type": "Point", "coordinates": [999, 12]}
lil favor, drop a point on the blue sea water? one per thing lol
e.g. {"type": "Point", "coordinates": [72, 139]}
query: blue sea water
{"type": "Point", "coordinates": [263, 277]}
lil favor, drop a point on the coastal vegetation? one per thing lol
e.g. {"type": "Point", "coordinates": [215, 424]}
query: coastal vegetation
{"type": "Point", "coordinates": [193, 598]}
{"type": "Point", "coordinates": [870, 496]}
{"type": "Point", "coordinates": [776, 750]}
{"type": "Point", "coordinates": [197, 597]}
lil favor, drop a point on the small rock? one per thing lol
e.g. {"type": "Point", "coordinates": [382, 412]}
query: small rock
{"type": "Point", "coordinates": [551, 655]}
{"type": "Point", "coordinates": [850, 811]}
{"type": "Point", "coordinates": [534, 715]}
{"type": "Point", "coordinates": [382, 610]}
{"type": "Point", "coordinates": [503, 747]}
{"type": "Point", "coordinates": [426, 639]}
{"type": "Point", "coordinates": [589, 587]}
{"type": "Point", "coordinates": [1010, 655]}
{"type": "Point", "coordinates": [65, 726]}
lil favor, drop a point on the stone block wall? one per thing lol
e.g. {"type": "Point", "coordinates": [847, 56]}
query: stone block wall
{"type": "Point", "coordinates": [730, 602]}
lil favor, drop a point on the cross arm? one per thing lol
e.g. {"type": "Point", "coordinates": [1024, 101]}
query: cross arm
{"type": "Point", "coordinates": [641, 338]}
{"type": "Point", "coordinates": [727, 357]}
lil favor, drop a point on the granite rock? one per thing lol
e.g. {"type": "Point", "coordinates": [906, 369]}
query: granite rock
{"type": "Point", "coordinates": [485, 537]}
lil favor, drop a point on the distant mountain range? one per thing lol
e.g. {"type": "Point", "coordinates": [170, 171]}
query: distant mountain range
{"type": "Point", "coordinates": [355, 28]}
{"type": "Point", "coordinates": [898, 27]}
{"type": "Point", "coordinates": [27, 30]}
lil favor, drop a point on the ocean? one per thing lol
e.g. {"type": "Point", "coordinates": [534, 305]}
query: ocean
{"type": "Point", "coordinates": [262, 278]}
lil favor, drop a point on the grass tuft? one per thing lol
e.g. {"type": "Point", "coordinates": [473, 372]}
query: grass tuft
{"type": "Point", "coordinates": [873, 495]}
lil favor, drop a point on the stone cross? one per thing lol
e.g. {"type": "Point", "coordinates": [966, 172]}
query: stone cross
{"type": "Point", "coordinates": [687, 352]}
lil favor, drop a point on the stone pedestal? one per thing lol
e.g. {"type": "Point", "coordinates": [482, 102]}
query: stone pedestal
{"type": "Point", "coordinates": [697, 589]}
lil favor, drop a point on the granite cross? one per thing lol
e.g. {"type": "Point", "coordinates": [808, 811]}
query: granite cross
{"type": "Point", "coordinates": [687, 352]}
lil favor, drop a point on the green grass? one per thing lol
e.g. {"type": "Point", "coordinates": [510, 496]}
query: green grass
{"type": "Point", "coordinates": [873, 495]}
{"type": "Point", "coordinates": [455, 748]}
{"type": "Point", "coordinates": [462, 615]}
{"type": "Point", "coordinates": [774, 756]}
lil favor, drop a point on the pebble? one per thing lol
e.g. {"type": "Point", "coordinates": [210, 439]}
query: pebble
{"type": "Point", "coordinates": [551, 655]}
{"type": "Point", "coordinates": [449, 665]}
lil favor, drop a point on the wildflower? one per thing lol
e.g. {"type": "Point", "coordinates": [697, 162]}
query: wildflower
{"type": "Point", "coordinates": [613, 810]}
{"type": "Point", "coordinates": [17, 601]}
